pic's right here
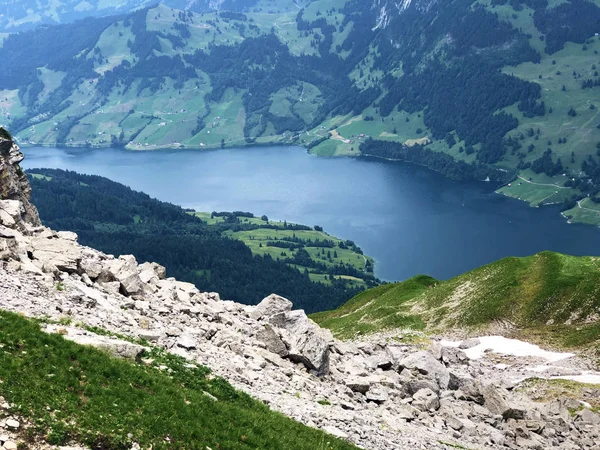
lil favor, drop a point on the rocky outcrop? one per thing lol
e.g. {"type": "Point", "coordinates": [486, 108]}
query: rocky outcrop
{"type": "Point", "coordinates": [378, 392]}
{"type": "Point", "coordinates": [14, 186]}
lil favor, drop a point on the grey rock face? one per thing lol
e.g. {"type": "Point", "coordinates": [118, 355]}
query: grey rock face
{"type": "Point", "coordinates": [426, 364]}
{"type": "Point", "coordinates": [14, 184]}
{"type": "Point", "coordinates": [116, 347]}
{"type": "Point", "coordinates": [426, 400]}
{"type": "Point", "coordinates": [272, 340]}
{"type": "Point", "coordinates": [306, 342]}
{"type": "Point", "coordinates": [270, 306]}
{"type": "Point", "coordinates": [496, 400]}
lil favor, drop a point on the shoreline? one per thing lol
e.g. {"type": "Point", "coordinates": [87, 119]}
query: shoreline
{"type": "Point", "coordinates": [303, 147]}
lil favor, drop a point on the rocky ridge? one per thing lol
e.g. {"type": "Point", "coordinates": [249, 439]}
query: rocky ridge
{"type": "Point", "coordinates": [378, 393]}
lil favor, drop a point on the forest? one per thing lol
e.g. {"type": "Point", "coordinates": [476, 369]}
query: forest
{"type": "Point", "coordinates": [118, 220]}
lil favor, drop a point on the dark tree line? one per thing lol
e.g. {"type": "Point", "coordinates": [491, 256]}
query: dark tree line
{"type": "Point", "coordinates": [440, 162]}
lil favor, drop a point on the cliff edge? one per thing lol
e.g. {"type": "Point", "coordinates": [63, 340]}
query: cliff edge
{"type": "Point", "coordinates": [13, 181]}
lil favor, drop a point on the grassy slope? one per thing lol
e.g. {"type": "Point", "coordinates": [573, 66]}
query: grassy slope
{"type": "Point", "coordinates": [257, 241]}
{"type": "Point", "coordinates": [80, 393]}
{"type": "Point", "coordinates": [548, 295]}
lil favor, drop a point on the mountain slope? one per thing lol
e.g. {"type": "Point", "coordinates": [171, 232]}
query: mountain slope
{"type": "Point", "coordinates": [20, 15]}
{"type": "Point", "coordinates": [105, 402]}
{"type": "Point", "coordinates": [479, 89]}
{"type": "Point", "coordinates": [550, 296]}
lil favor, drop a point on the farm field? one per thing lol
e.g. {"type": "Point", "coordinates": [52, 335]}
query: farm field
{"type": "Point", "coordinates": [310, 250]}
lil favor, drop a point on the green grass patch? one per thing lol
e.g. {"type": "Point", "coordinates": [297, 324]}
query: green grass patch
{"type": "Point", "coordinates": [549, 297]}
{"type": "Point", "coordinates": [544, 390]}
{"type": "Point", "coordinates": [380, 308]}
{"type": "Point", "coordinates": [79, 393]}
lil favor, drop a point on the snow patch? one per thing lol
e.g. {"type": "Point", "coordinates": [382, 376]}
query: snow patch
{"type": "Point", "coordinates": [505, 346]}
{"type": "Point", "coordinates": [586, 376]}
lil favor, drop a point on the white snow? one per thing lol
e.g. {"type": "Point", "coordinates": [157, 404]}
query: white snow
{"type": "Point", "coordinates": [505, 346]}
{"type": "Point", "coordinates": [586, 376]}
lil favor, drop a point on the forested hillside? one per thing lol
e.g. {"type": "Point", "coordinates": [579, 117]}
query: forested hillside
{"type": "Point", "coordinates": [494, 89]}
{"type": "Point", "coordinates": [117, 220]}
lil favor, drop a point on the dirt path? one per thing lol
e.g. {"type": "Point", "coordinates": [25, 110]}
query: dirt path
{"type": "Point", "coordinates": [541, 184]}
{"type": "Point", "coordinates": [587, 209]}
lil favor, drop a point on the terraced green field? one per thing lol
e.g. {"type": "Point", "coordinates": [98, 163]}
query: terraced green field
{"type": "Point", "coordinates": [326, 255]}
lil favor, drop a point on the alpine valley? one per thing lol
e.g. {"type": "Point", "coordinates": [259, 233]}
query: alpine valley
{"type": "Point", "coordinates": [490, 89]}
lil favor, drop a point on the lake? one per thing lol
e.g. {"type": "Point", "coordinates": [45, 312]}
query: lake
{"type": "Point", "coordinates": [411, 220]}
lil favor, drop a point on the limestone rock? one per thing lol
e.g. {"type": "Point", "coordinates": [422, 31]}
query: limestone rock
{"type": "Point", "coordinates": [585, 415]}
{"type": "Point", "coordinates": [270, 306]}
{"type": "Point", "coordinates": [67, 235]}
{"type": "Point", "coordinates": [426, 364]}
{"type": "Point", "coordinates": [497, 401]}
{"type": "Point", "coordinates": [124, 270]}
{"type": "Point", "coordinates": [426, 400]}
{"type": "Point", "coordinates": [12, 424]}
{"type": "Point", "coordinates": [306, 342]}
{"type": "Point", "coordinates": [469, 343]}
{"type": "Point", "coordinates": [186, 342]}
{"type": "Point", "coordinates": [116, 347]}
{"type": "Point", "coordinates": [57, 254]}
{"type": "Point", "coordinates": [453, 356]}
{"type": "Point", "coordinates": [377, 394]}
{"type": "Point", "coordinates": [272, 340]}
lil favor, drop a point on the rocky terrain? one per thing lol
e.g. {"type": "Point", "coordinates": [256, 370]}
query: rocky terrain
{"type": "Point", "coordinates": [378, 393]}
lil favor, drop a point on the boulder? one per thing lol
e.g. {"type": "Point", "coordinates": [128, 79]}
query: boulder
{"type": "Point", "coordinates": [186, 343]}
{"type": "Point", "coordinates": [380, 361]}
{"type": "Point", "coordinates": [426, 364]}
{"type": "Point", "coordinates": [454, 356]}
{"type": "Point", "coordinates": [406, 412]}
{"type": "Point", "coordinates": [270, 306]}
{"type": "Point", "coordinates": [471, 391]}
{"type": "Point", "coordinates": [456, 382]}
{"type": "Point", "coordinates": [426, 400]}
{"type": "Point", "coordinates": [10, 212]}
{"type": "Point", "coordinates": [67, 235]}
{"type": "Point", "coordinates": [152, 269]}
{"type": "Point", "coordinates": [496, 400]}
{"type": "Point", "coordinates": [91, 265]}
{"type": "Point", "coordinates": [114, 346]}
{"type": "Point", "coordinates": [377, 394]}
{"type": "Point", "coordinates": [305, 341]}
{"type": "Point", "coordinates": [411, 387]}
{"type": "Point", "coordinates": [585, 415]}
{"type": "Point", "coordinates": [124, 270]}
{"type": "Point", "coordinates": [57, 254]}
{"type": "Point", "coordinates": [268, 336]}
{"type": "Point", "coordinates": [359, 384]}
{"type": "Point", "coordinates": [469, 343]}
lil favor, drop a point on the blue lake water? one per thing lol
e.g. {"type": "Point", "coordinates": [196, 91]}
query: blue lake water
{"type": "Point", "coordinates": [411, 220]}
